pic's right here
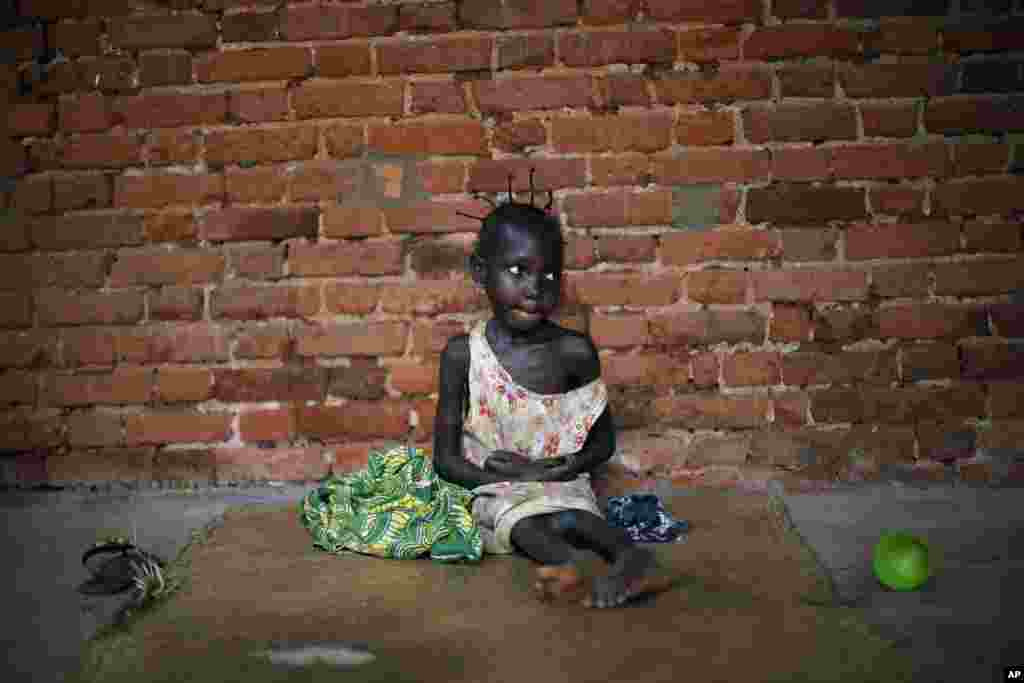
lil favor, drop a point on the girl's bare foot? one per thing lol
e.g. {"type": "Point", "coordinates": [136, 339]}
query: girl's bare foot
{"type": "Point", "coordinates": [634, 573]}
{"type": "Point", "coordinates": [558, 582]}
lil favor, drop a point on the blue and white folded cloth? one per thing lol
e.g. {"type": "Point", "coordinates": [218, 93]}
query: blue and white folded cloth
{"type": "Point", "coordinates": [645, 519]}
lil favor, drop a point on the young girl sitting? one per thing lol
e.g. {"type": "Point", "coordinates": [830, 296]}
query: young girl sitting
{"type": "Point", "coordinates": [522, 416]}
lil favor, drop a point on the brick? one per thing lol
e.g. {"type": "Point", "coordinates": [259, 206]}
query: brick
{"type": "Point", "coordinates": [727, 84]}
{"type": "Point", "coordinates": [266, 425]}
{"type": "Point", "coordinates": [444, 97]}
{"type": "Point", "coordinates": [262, 340]}
{"type": "Point", "coordinates": [33, 194]}
{"type": "Point", "coordinates": [757, 368]}
{"type": "Point", "coordinates": [168, 111]}
{"type": "Point", "coordinates": [530, 51]}
{"type": "Point", "coordinates": [617, 47]}
{"type": "Point", "coordinates": [23, 43]}
{"type": "Point", "coordinates": [619, 208]}
{"type": "Point", "coordinates": [791, 123]}
{"type": "Point", "coordinates": [99, 150]}
{"type": "Point", "coordinates": [600, 12]}
{"type": "Point", "coordinates": [717, 286]}
{"type": "Point", "coordinates": [326, 99]}
{"type": "Point", "coordinates": [902, 36]}
{"type": "Point", "coordinates": [258, 105]}
{"type": "Point", "coordinates": [708, 327]}
{"type": "Point", "coordinates": [262, 184]}
{"type": "Point", "coordinates": [174, 385]}
{"type": "Point", "coordinates": [800, 40]}
{"type": "Point", "coordinates": [16, 310]}
{"type": "Point", "coordinates": [614, 289]}
{"type": "Point", "coordinates": [430, 298]}
{"type": "Point", "coordinates": [808, 245]}
{"type": "Point", "coordinates": [29, 118]}
{"type": "Point", "coordinates": [163, 267]}
{"type": "Point", "coordinates": [518, 15]}
{"type": "Point", "coordinates": [244, 224]}
{"type": "Point", "coordinates": [261, 144]}
{"type": "Point", "coordinates": [94, 429]}
{"type": "Point", "coordinates": [704, 165]}
{"type": "Point", "coordinates": [626, 249]}
{"type": "Point", "coordinates": [437, 55]}
{"type": "Point", "coordinates": [430, 338]}
{"type": "Point", "coordinates": [901, 240]}
{"type": "Point", "coordinates": [808, 285]}
{"type": "Point", "coordinates": [243, 302]}
{"type": "Point", "coordinates": [250, 27]}
{"type": "Point", "coordinates": [516, 136]}
{"type": "Point", "coordinates": [891, 161]}
{"type": "Point", "coordinates": [815, 78]}
{"type": "Point", "coordinates": [161, 68]}
{"type": "Point", "coordinates": [645, 370]}
{"type": "Point", "coordinates": [356, 419]}
{"type": "Point", "coordinates": [1007, 398]}
{"type": "Point", "coordinates": [803, 368]}
{"type": "Point", "coordinates": [289, 383]}
{"type": "Point", "coordinates": [897, 200]}
{"type": "Point", "coordinates": [937, 360]}
{"type": "Point", "coordinates": [260, 64]}
{"type": "Point", "coordinates": [315, 180]}
{"type": "Point", "coordinates": [726, 12]}
{"type": "Point", "coordinates": [906, 79]}
{"type": "Point", "coordinates": [257, 261]}
{"type": "Point", "coordinates": [980, 158]}
{"type": "Point", "coordinates": [626, 169]}
{"type": "Point", "coordinates": [901, 280]}
{"type": "Point", "coordinates": [438, 18]}
{"type": "Point", "coordinates": [361, 258]}
{"type": "Point", "coordinates": [619, 331]}
{"type": "Point", "coordinates": [87, 231]}
{"type": "Point", "coordinates": [357, 339]}
{"type": "Point", "coordinates": [978, 278]}
{"type": "Point", "coordinates": [799, 163]}
{"type": "Point", "coordinates": [703, 45]}
{"type": "Point", "coordinates": [620, 133]}
{"type": "Point", "coordinates": [792, 203]}
{"type": "Point", "coordinates": [685, 248]}
{"type": "Point", "coordinates": [62, 307]}
{"type": "Point", "coordinates": [86, 113]}
{"type": "Point", "coordinates": [456, 138]}
{"type": "Point", "coordinates": [351, 221]}
{"type": "Point", "coordinates": [177, 427]}
{"type": "Point", "coordinates": [181, 343]}
{"type": "Point", "coordinates": [799, 9]}
{"type": "Point", "coordinates": [984, 196]}
{"type": "Point", "coordinates": [364, 379]}
{"type": "Point", "coordinates": [889, 120]}
{"type": "Point", "coordinates": [188, 31]}
{"type": "Point", "coordinates": [705, 128]}
{"type": "Point", "coordinates": [176, 303]}
{"type": "Point", "coordinates": [551, 174]}
{"type": "Point", "coordinates": [932, 321]}
{"type": "Point", "coordinates": [967, 114]}
{"type": "Point", "coordinates": [159, 190]}
{"type": "Point", "coordinates": [173, 146]}
{"type": "Point", "coordinates": [712, 411]}
{"type": "Point", "coordinates": [982, 36]}
{"type": "Point", "coordinates": [332, 22]}
{"type": "Point", "coordinates": [533, 92]}
{"type": "Point", "coordinates": [344, 60]}
{"type": "Point", "coordinates": [790, 323]}
{"type": "Point", "coordinates": [122, 386]}
{"type": "Point", "coordinates": [892, 8]}
{"type": "Point", "coordinates": [992, 237]}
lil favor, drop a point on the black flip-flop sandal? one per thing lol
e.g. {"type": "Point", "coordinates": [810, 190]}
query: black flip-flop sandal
{"type": "Point", "coordinates": [116, 574]}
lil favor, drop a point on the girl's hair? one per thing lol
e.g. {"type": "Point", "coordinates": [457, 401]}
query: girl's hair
{"type": "Point", "coordinates": [513, 213]}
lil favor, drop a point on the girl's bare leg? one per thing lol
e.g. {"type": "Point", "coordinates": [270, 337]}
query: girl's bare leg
{"type": "Point", "coordinates": [633, 569]}
{"type": "Point", "coordinates": [540, 539]}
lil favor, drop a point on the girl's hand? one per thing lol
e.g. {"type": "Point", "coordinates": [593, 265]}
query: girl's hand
{"type": "Point", "coordinates": [520, 468]}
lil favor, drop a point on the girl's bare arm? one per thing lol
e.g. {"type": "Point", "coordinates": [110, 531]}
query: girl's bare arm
{"type": "Point", "coordinates": [448, 461]}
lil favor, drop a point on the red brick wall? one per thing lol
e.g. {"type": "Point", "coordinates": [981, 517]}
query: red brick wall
{"type": "Point", "coordinates": [230, 247]}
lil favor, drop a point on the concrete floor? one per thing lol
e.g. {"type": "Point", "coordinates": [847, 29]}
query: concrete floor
{"type": "Point", "coordinates": [964, 625]}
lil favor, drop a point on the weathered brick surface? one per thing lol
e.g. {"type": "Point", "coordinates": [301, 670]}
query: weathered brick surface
{"type": "Point", "coordinates": [237, 205]}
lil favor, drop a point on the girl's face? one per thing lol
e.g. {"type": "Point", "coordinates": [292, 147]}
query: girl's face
{"type": "Point", "coordinates": [523, 279]}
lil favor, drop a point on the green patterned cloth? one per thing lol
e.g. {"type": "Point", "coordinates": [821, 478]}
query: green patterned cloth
{"type": "Point", "coordinates": [397, 508]}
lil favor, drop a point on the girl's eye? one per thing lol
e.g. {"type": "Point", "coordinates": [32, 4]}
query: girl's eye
{"type": "Point", "coordinates": [516, 270]}
{"type": "Point", "coordinates": [551, 277]}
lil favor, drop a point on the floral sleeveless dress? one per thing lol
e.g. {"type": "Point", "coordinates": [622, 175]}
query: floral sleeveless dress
{"type": "Point", "coordinates": [504, 415]}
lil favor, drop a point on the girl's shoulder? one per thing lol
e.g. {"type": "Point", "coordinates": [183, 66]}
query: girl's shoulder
{"type": "Point", "coordinates": [578, 353]}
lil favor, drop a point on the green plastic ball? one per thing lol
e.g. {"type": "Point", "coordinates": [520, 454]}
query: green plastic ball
{"type": "Point", "coordinates": [901, 561]}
